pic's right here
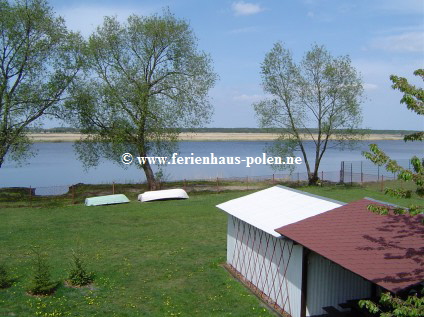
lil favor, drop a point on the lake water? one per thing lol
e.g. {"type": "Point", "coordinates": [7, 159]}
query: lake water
{"type": "Point", "coordinates": [56, 164]}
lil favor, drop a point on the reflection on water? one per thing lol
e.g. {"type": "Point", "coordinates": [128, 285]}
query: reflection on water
{"type": "Point", "coordinates": [56, 163]}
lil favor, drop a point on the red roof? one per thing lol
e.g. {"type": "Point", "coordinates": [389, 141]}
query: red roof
{"type": "Point", "coordinates": [387, 250]}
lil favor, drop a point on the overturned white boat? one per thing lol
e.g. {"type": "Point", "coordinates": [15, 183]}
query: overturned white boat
{"type": "Point", "coordinates": [165, 194]}
{"type": "Point", "coordinates": [107, 200]}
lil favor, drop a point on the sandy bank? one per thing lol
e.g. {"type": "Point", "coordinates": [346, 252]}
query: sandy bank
{"type": "Point", "coordinates": [209, 136]}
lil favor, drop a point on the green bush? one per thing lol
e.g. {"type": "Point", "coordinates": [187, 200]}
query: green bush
{"type": "Point", "coordinates": [41, 282]}
{"type": "Point", "coordinates": [392, 306]}
{"type": "Point", "coordinates": [78, 276]}
{"type": "Point", "coordinates": [5, 280]}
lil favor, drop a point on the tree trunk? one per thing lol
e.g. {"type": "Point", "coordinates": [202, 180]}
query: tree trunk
{"type": "Point", "coordinates": [4, 147]}
{"type": "Point", "coordinates": [150, 177]}
{"type": "Point", "coordinates": [313, 178]}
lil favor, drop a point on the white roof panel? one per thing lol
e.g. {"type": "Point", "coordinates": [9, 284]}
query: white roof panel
{"type": "Point", "coordinates": [277, 206]}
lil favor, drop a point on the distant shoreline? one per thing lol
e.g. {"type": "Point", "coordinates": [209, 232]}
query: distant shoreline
{"type": "Point", "coordinates": [201, 136]}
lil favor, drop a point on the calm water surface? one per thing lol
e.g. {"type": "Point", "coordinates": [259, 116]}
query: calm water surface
{"type": "Point", "coordinates": [57, 164]}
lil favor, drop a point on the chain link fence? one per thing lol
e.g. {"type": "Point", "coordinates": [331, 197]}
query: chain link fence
{"type": "Point", "coordinates": [366, 171]}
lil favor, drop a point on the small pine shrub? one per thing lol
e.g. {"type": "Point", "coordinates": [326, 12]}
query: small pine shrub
{"type": "Point", "coordinates": [5, 280]}
{"type": "Point", "coordinates": [41, 281]}
{"type": "Point", "coordinates": [78, 276]}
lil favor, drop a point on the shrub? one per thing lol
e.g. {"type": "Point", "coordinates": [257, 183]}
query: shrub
{"type": "Point", "coordinates": [5, 280]}
{"type": "Point", "coordinates": [41, 283]}
{"type": "Point", "coordinates": [78, 276]}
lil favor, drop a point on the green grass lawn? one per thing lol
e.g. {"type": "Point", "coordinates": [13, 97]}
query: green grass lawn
{"type": "Point", "coordinates": [152, 259]}
{"type": "Point", "coordinates": [351, 193]}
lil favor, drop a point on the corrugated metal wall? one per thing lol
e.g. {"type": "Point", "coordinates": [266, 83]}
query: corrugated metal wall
{"type": "Point", "coordinates": [273, 265]}
{"type": "Point", "coordinates": [330, 284]}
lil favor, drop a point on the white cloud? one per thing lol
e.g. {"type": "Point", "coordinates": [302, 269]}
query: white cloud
{"type": "Point", "coordinates": [369, 86]}
{"type": "Point", "coordinates": [248, 98]}
{"type": "Point", "coordinates": [405, 42]}
{"type": "Point", "coordinates": [245, 8]}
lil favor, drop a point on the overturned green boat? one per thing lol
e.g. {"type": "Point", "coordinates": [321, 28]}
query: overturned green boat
{"type": "Point", "coordinates": [107, 200]}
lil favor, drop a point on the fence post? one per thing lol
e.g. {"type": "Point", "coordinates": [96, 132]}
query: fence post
{"type": "Point", "coordinates": [273, 179]}
{"type": "Point", "coordinates": [113, 188]}
{"type": "Point", "coordinates": [322, 175]}
{"type": "Point", "coordinates": [30, 196]}
{"type": "Point", "coordinates": [351, 174]}
{"type": "Point", "coordinates": [362, 175]}
{"type": "Point", "coordinates": [382, 182]}
{"type": "Point", "coordinates": [73, 194]}
{"type": "Point", "coordinates": [342, 172]}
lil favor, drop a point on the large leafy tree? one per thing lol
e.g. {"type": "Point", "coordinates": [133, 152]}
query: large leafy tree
{"type": "Point", "coordinates": [39, 59]}
{"type": "Point", "coordinates": [144, 80]}
{"type": "Point", "coordinates": [317, 99]}
{"type": "Point", "coordinates": [413, 305]}
{"type": "Point", "coordinates": [414, 99]}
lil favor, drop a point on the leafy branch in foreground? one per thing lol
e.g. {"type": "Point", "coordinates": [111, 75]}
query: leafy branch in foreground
{"type": "Point", "coordinates": [414, 99]}
{"type": "Point", "coordinates": [413, 304]}
{"type": "Point", "coordinates": [378, 157]}
{"type": "Point", "coordinates": [391, 306]}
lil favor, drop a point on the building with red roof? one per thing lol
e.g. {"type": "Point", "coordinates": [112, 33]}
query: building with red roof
{"type": "Point", "coordinates": [385, 250]}
{"type": "Point", "coordinates": [319, 262]}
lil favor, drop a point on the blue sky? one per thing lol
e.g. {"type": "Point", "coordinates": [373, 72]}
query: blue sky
{"type": "Point", "coordinates": [382, 37]}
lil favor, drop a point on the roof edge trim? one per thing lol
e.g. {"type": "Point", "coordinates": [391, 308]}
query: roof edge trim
{"type": "Point", "coordinates": [312, 195]}
{"type": "Point", "coordinates": [382, 202]}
